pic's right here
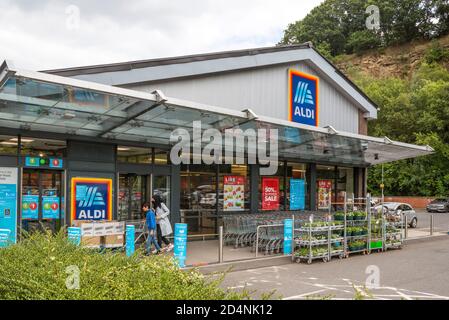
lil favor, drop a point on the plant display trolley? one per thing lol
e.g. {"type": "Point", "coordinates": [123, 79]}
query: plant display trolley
{"type": "Point", "coordinates": [359, 228]}
{"type": "Point", "coordinates": [318, 240]}
{"type": "Point", "coordinates": [393, 231]}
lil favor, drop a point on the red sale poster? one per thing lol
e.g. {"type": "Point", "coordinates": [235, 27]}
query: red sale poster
{"type": "Point", "coordinates": [270, 193]}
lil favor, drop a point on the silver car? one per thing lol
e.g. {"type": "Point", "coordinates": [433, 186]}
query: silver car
{"type": "Point", "coordinates": [396, 209]}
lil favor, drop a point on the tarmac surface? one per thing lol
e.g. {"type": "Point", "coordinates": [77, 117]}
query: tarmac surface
{"type": "Point", "coordinates": [418, 271]}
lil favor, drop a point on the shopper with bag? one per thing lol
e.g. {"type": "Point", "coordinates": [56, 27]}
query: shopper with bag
{"type": "Point", "coordinates": [163, 222]}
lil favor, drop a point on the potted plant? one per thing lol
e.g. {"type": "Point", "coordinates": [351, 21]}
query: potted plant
{"type": "Point", "coordinates": [350, 216]}
{"type": "Point", "coordinates": [339, 216]}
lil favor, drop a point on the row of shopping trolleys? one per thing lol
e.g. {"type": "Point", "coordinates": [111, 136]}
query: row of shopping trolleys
{"type": "Point", "coordinates": [241, 230]}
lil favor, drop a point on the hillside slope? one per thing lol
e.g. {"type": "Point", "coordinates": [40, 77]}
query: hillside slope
{"type": "Point", "coordinates": [399, 61]}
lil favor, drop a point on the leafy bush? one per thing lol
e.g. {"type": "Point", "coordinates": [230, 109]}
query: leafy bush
{"type": "Point", "coordinates": [36, 269]}
{"type": "Point", "coordinates": [436, 53]}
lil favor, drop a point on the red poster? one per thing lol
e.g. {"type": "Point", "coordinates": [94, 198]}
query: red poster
{"type": "Point", "coordinates": [270, 193]}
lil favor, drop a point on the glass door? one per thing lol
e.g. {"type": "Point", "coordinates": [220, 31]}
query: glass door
{"type": "Point", "coordinates": [133, 192]}
{"type": "Point", "coordinates": [42, 200]}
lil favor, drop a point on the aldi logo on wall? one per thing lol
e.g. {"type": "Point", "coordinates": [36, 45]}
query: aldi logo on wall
{"type": "Point", "coordinates": [91, 199]}
{"type": "Point", "coordinates": [303, 98]}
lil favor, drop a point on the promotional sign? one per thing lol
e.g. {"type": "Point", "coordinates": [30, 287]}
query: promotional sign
{"type": "Point", "coordinates": [50, 207]}
{"type": "Point", "coordinates": [288, 236]}
{"type": "Point", "coordinates": [56, 163]}
{"type": "Point", "coordinates": [270, 193]}
{"type": "Point", "coordinates": [303, 98]}
{"type": "Point", "coordinates": [53, 163]}
{"type": "Point", "coordinates": [234, 193]}
{"type": "Point", "coordinates": [297, 194]}
{"type": "Point", "coordinates": [74, 235]}
{"type": "Point", "coordinates": [8, 206]}
{"type": "Point", "coordinates": [32, 161]}
{"type": "Point", "coordinates": [91, 199]}
{"type": "Point", "coordinates": [180, 243]}
{"type": "Point", "coordinates": [30, 206]}
{"type": "Point", "coordinates": [324, 193]}
{"type": "Point", "coordinates": [130, 240]}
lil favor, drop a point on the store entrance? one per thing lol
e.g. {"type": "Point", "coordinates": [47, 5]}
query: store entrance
{"type": "Point", "coordinates": [135, 189]}
{"type": "Point", "coordinates": [133, 192]}
{"type": "Point", "coordinates": [42, 200]}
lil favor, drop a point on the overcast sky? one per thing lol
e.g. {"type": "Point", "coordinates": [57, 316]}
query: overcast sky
{"type": "Point", "coordinates": [47, 34]}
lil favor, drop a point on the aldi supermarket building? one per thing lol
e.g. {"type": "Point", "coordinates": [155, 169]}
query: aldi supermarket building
{"type": "Point", "coordinates": [94, 142]}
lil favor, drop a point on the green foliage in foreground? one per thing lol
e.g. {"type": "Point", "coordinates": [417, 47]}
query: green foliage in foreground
{"type": "Point", "coordinates": [36, 269]}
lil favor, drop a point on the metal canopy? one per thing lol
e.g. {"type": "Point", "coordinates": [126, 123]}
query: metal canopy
{"type": "Point", "coordinates": [48, 103]}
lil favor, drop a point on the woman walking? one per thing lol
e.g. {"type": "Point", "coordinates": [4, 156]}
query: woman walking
{"type": "Point", "coordinates": [163, 222]}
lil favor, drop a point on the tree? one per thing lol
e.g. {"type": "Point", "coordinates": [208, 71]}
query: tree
{"type": "Point", "coordinates": [341, 24]}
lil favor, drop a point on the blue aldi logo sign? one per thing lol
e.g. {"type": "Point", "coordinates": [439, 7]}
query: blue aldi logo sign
{"type": "Point", "coordinates": [303, 98]}
{"type": "Point", "coordinates": [91, 199]}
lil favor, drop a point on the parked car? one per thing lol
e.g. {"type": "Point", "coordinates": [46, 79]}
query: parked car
{"type": "Point", "coordinates": [394, 210]}
{"type": "Point", "coordinates": [438, 205]}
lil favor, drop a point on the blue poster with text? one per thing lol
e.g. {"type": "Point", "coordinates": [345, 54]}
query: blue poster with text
{"type": "Point", "coordinates": [288, 236]}
{"type": "Point", "coordinates": [297, 194]}
{"type": "Point", "coordinates": [180, 250]}
{"type": "Point", "coordinates": [130, 239]}
{"type": "Point", "coordinates": [8, 206]}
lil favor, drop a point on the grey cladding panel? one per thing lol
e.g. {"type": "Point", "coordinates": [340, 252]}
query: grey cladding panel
{"type": "Point", "coordinates": [263, 90]}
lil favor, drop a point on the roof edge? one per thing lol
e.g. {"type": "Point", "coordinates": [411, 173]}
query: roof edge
{"type": "Point", "coordinates": [129, 65]}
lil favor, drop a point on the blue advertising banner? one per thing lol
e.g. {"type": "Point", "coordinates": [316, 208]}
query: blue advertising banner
{"type": "Point", "coordinates": [180, 250]}
{"type": "Point", "coordinates": [30, 206]}
{"type": "Point", "coordinates": [50, 207]}
{"type": "Point", "coordinates": [303, 98]}
{"type": "Point", "coordinates": [74, 235]}
{"type": "Point", "coordinates": [8, 206]}
{"type": "Point", "coordinates": [297, 194]}
{"type": "Point", "coordinates": [288, 236]}
{"type": "Point", "coordinates": [130, 239]}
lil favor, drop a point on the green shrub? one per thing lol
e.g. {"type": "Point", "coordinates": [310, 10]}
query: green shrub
{"type": "Point", "coordinates": [36, 269]}
{"type": "Point", "coordinates": [436, 53]}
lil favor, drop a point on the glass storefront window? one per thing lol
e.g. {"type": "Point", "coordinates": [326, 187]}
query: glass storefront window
{"type": "Point", "coordinates": [127, 154]}
{"type": "Point", "coordinates": [198, 198]}
{"type": "Point", "coordinates": [297, 173]}
{"type": "Point", "coordinates": [161, 187]}
{"type": "Point", "coordinates": [43, 147]}
{"type": "Point", "coordinates": [8, 145]}
{"type": "Point", "coordinates": [345, 183]}
{"type": "Point", "coordinates": [133, 192]}
{"type": "Point", "coordinates": [234, 188]}
{"type": "Point", "coordinates": [161, 156]}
